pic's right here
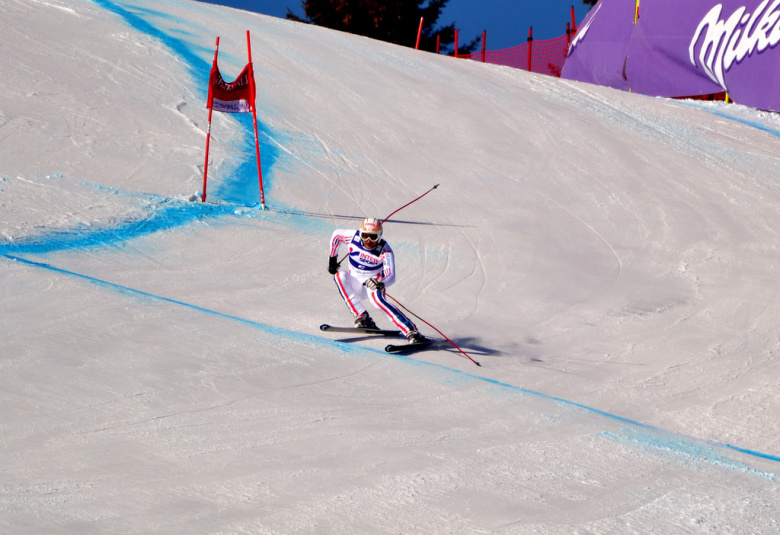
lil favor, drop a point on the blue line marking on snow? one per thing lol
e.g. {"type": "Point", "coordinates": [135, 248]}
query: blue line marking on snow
{"type": "Point", "coordinates": [194, 63]}
{"type": "Point", "coordinates": [642, 434]}
{"type": "Point", "coordinates": [169, 214]}
{"type": "Point", "coordinates": [126, 290]}
{"type": "Point", "coordinates": [719, 113]}
{"type": "Point", "coordinates": [162, 213]}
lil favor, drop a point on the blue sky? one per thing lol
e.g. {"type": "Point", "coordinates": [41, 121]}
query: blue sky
{"type": "Point", "coordinates": [506, 21]}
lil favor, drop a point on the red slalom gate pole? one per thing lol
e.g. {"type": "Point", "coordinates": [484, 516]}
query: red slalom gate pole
{"type": "Point", "coordinates": [435, 329]}
{"type": "Point", "coordinates": [410, 202]}
{"type": "Point", "coordinates": [208, 132]}
{"type": "Point", "coordinates": [254, 117]}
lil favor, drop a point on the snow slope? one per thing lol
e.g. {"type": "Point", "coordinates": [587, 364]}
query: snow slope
{"type": "Point", "coordinates": [609, 259]}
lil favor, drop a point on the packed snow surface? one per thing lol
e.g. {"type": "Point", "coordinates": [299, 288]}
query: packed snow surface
{"type": "Point", "coordinates": [610, 260]}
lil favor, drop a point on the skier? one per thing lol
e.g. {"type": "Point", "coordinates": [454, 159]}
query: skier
{"type": "Point", "coordinates": [371, 270]}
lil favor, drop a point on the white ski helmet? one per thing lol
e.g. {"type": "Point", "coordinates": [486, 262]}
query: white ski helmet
{"type": "Point", "coordinates": [370, 232]}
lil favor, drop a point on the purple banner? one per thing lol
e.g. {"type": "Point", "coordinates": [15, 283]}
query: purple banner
{"type": "Point", "coordinates": [598, 51]}
{"type": "Point", "coordinates": [680, 49]}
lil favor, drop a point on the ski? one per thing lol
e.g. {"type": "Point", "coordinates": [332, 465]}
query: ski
{"type": "Point", "coordinates": [359, 330]}
{"type": "Point", "coordinates": [408, 348]}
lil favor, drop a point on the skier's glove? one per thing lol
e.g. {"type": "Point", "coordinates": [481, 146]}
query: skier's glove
{"type": "Point", "coordinates": [333, 265]}
{"type": "Point", "coordinates": [373, 284]}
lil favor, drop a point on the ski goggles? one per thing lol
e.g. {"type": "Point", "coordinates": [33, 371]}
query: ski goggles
{"type": "Point", "coordinates": [369, 236]}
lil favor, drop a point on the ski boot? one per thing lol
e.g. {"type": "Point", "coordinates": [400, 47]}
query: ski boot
{"type": "Point", "coordinates": [415, 337]}
{"type": "Point", "coordinates": [364, 321]}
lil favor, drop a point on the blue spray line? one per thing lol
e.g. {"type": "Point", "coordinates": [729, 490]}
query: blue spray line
{"type": "Point", "coordinates": [678, 443]}
{"type": "Point", "coordinates": [194, 63]}
{"type": "Point", "coordinates": [166, 214]}
{"type": "Point", "coordinates": [126, 290]}
{"type": "Point", "coordinates": [719, 113]}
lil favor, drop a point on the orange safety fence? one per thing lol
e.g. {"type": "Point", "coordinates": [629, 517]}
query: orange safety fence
{"type": "Point", "coordinates": [542, 57]}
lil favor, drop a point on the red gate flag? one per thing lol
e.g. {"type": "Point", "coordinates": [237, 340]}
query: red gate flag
{"type": "Point", "coordinates": [234, 97]}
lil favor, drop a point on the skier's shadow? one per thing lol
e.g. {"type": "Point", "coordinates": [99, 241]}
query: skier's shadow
{"type": "Point", "coordinates": [388, 339]}
{"type": "Point", "coordinates": [470, 345]}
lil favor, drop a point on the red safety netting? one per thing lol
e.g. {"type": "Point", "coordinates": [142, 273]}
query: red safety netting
{"type": "Point", "coordinates": [546, 56]}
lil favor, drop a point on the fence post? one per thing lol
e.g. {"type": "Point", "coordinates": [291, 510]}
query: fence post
{"type": "Point", "coordinates": [419, 32]}
{"type": "Point", "coordinates": [484, 38]}
{"type": "Point", "coordinates": [438, 43]}
{"type": "Point", "coordinates": [530, 44]}
{"type": "Point", "coordinates": [456, 43]}
{"type": "Point", "coordinates": [573, 22]}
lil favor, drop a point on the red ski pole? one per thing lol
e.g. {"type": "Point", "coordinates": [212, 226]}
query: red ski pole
{"type": "Point", "coordinates": [399, 209]}
{"type": "Point", "coordinates": [435, 329]}
{"type": "Point", "coordinates": [410, 202]}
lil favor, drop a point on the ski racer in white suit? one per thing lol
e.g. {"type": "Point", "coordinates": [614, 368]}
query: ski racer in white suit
{"type": "Point", "coordinates": [371, 270]}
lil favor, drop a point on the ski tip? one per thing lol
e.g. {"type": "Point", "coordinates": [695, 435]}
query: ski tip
{"type": "Point", "coordinates": [324, 327]}
{"type": "Point", "coordinates": [408, 348]}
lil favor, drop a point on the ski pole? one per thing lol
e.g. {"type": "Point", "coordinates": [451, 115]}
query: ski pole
{"type": "Point", "coordinates": [434, 328]}
{"type": "Point", "coordinates": [398, 210]}
{"type": "Point", "coordinates": [410, 202]}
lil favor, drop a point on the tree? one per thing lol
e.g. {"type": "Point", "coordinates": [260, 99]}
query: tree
{"type": "Point", "coordinates": [394, 21]}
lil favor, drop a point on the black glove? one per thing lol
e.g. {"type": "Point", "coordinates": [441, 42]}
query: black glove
{"type": "Point", "coordinates": [373, 284]}
{"type": "Point", "coordinates": [333, 265]}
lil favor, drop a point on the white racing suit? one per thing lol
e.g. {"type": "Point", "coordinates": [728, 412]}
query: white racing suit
{"type": "Point", "coordinates": [364, 264]}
